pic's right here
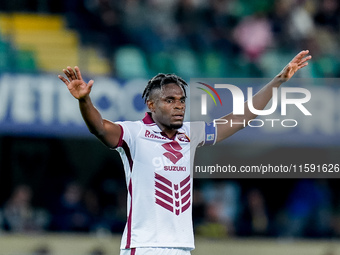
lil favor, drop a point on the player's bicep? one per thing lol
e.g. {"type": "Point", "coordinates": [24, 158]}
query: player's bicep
{"type": "Point", "coordinates": [228, 125]}
{"type": "Point", "coordinates": [111, 134]}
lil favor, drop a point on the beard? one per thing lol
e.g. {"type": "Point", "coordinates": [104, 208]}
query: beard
{"type": "Point", "coordinates": [176, 126]}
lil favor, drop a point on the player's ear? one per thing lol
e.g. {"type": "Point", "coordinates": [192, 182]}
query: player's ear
{"type": "Point", "coordinates": [151, 105]}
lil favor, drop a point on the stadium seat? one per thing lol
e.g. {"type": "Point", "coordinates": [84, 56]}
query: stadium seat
{"type": "Point", "coordinates": [25, 61]}
{"type": "Point", "coordinates": [32, 21]}
{"type": "Point", "coordinates": [94, 62]}
{"type": "Point", "coordinates": [186, 64]}
{"type": "Point", "coordinates": [45, 43]}
{"type": "Point", "coordinates": [130, 62]}
{"type": "Point", "coordinates": [160, 62]}
{"type": "Point", "coordinates": [5, 52]}
{"type": "Point", "coordinates": [214, 65]}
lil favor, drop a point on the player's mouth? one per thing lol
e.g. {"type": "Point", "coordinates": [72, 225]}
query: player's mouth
{"type": "Point", "coordinates": [178, 116]}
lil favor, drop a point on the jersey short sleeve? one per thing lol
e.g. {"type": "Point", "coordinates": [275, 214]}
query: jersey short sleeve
{"type": "Point", "coordinates": [130, 130]}
{"type": "Point", "coordinates": [204, 133]}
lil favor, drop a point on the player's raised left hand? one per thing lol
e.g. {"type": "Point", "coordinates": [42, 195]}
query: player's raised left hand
{"type": "Point", "coordinates": [298, 62]}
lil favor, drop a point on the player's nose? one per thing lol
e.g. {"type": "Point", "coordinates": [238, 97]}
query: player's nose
{"type": "Point", "coordinates": [179, 104]}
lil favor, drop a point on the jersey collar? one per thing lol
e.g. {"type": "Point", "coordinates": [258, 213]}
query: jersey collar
{"type": "Point", "coordinates": [147, 120]}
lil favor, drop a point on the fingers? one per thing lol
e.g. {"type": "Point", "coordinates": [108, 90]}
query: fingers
{"type": "Point", "coordinates": [78, 72]}
{"type": "Point", "coordinates": [301, 57]}
{"type": "Point", "coordinates": [90, 83]}
{"type": "Point", "coordinates": [63, 79]}
{"type": "Point", "coordinates": [300, 60]}
{"type": "Point", "coordinates": [304, 60]}
{"type": "Point", "coordinates": [303, 65]}
{"type": "Point", "coordinates": [303, 53]}
{"type": "Point", "coordinates": [70, 74]}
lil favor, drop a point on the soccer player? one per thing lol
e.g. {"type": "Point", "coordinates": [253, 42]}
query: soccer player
{"type": "Point", "coordinates": [157, 153]}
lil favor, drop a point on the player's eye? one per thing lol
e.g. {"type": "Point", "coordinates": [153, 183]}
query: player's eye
{"type": "Point", "coordinates": [169, 101]}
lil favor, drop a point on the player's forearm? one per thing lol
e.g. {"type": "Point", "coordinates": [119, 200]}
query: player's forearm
{"type": "Point", "coordinates": [91, 116]}
{"type": "Point", "coordinates": [261, 98]}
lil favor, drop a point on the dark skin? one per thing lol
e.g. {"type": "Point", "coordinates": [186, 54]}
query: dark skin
{"type": "Point", "coordinates": [106, 131]}
{"type": "Point", "coordinates": [167, 105]}
{"type": "Point", "coordinates": [261, 99]}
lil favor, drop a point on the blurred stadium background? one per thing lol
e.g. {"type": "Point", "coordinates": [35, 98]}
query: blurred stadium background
{"type": "Point", "coordinates": [62, 192]}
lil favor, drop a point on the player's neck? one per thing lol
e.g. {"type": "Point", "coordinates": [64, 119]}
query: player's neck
{"type": "Point", "coordinates": [169, 133]}
{"type": "Point", "coordinates": [166, 131]}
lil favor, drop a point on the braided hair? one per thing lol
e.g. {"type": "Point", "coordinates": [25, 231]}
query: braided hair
{"type": "Point", "coordinates": [160, 80]}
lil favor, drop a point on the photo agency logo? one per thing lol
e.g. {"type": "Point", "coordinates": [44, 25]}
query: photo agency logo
{"type": "Point", "coordinates": [295, 96]}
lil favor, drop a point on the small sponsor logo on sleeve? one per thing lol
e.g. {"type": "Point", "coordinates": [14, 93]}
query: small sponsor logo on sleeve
{"type": "Point", "coordinates": [210, 137]}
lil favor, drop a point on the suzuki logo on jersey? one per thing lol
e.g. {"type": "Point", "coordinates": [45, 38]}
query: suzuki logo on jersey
{"type": "Point", "coordinates": [173, 197]}
{"type": "Point", "coordinates": [173, 151]}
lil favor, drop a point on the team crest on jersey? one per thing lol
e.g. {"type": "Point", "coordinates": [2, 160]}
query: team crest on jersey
{"type": "Point", "coordinates": [173, 197]}
{"type": "Point", "coordinates": [173, 151]}
{"type": "Point", "coordinates": [183, 137]}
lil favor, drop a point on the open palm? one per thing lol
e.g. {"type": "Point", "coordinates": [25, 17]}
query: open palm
{"type": "Point", "coordinates": [75, 83]}
{"type": "Point", "coordinates": [298, 62]}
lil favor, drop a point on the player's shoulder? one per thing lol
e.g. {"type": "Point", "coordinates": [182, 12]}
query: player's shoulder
{"type": "Point", "coordinates": [192, 126]}
{"type": "Point", "coordinates": [192, 123]}
{"type": "Point", "coordinates": [131, 125]}
{"type": "Point", "coordinates": [129, 122]}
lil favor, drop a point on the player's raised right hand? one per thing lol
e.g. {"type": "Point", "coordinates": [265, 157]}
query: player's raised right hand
{"type": "Point", "coordinates": [75, 83]}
